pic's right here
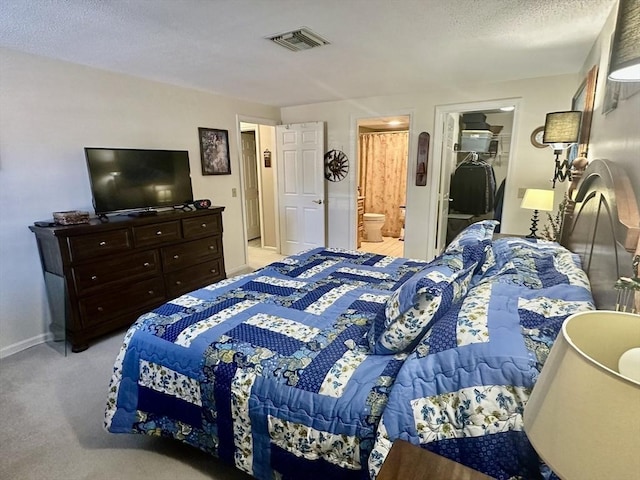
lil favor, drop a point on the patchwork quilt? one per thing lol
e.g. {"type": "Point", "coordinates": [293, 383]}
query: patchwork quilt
{"type": "Point", "coordinates": [313, 366]}
{"type": "Point", "coordinates": [461, 393]}
{"type": "Point", "coordinates": [269, 371]}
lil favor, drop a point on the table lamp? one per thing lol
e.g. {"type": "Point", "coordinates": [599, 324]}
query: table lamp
{"type": "Point", "coordinates": [582, 417]}
{"type": "Point", "coordinates": [536, 200]}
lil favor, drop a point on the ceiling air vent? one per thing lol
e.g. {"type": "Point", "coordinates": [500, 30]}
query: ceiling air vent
{"type": "Point", "coordinates": [301, 39]}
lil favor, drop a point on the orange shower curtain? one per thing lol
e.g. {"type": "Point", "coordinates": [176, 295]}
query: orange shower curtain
{"type": "Point", "coordinates": [383, 176]}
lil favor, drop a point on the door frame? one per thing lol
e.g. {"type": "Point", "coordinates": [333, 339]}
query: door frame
{"type": "Point", "coordinates": [258, 121]}
{"type": "Point", "coordinates": [353, 154]}
{"type": "Point", "coordinates": [438, 140]}
{"type": "Point", "coordinates": [256, 141]}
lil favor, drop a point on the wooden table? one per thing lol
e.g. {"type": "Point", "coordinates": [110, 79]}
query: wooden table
{"type": "Point", "coordinates": [410, 462]}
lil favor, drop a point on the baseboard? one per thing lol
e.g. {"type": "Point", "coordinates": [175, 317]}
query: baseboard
{"type": "Point", "coordinates": [24, 344]}
{"type": "Point", "coordinates": [45, 337]}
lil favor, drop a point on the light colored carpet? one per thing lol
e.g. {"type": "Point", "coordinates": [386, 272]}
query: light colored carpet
{"type": "Point", "coordinates": [51, 417]}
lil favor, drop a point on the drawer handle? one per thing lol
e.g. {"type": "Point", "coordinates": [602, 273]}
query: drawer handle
{"type": "Point", "coordinates": [150, 292]}
{"type": "Point", "coordinates": [145, 264]}
{"type": "Point", "coordinates": [204, 225]}
{"type": "Point", "coordinates": [103, 243]}
{"type": "Point", "coordinates": [175, 257]}
{"type": "Point", "coordinates": [212, 247]}
{"type": "Point", "coordinates": [94, 277]}
{"type": "Point", "coordinates": [100, 309]}
{"type": "Point", "coordinates": [159, 232]}
{"type": "Point", "coordinates": [178, 282]}
{"type": "Point", "coordinates": [213, 270]}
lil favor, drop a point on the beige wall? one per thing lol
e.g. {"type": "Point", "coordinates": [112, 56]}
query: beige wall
{"type": "Point", "coordinates": [49, 111]}
{"type": "Point", "coordinates": [532, 167]}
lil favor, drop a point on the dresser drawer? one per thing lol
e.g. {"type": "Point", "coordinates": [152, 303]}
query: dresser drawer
{"type": "Point", "coordinates": [188, 279]}
{"type": "Point", "coordinates": [83, 247]}
{"type": "Point", "coordinates": [106, 305]}
{"type": "Point", "coordinates": [190, 253]}
{"type": "Point", "coordinates": [93, 276]}
{"type": "Point", "coordinates": [156, 234]}
{"type": "Point", "coordinates": [202, 226]}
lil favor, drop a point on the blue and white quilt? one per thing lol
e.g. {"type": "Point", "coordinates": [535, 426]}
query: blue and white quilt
{"type": "Point", "coordinates": [462, 391]}
{"type": "Point", "coordinates": [269, 371]}
{"type": "Point", "coordinates": [311, 367]}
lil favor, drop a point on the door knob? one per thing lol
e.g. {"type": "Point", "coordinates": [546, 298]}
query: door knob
{"type": "Point", "coordinates": [319, 201]}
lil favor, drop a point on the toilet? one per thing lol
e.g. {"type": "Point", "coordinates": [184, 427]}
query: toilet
{"type": "Point", "coordinates": [373, 223]}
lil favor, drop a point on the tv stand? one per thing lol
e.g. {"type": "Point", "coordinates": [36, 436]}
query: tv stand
{"type": "Point", "coordinates": [100, 277]}
{"type": "Point", "coordinates": [143, 213]}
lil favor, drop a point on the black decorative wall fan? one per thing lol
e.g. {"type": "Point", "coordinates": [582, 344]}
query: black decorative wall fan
{"type": "Point", "coordinates": [336, 165]}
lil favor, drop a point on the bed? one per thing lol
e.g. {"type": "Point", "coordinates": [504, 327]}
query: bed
{"type": "Point", "coordinates": [312, 367]}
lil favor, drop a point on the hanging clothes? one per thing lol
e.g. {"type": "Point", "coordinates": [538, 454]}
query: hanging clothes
{"type": "Point", "coordinates": [497, 209]}
{"type": "Point", "coordinates": [473, 187]}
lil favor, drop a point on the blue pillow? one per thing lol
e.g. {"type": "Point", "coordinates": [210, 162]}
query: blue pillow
{"type": "Point", "coordinates": [419, 302]}
{"type": "Point", "coordinates": [476, 234]}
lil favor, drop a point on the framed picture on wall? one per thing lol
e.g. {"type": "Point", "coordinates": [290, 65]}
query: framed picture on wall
{"type": "Point", "coordinates": [611, 91]}
{"type": "Point", "coordinates": [214, 151]}
{"type": "Point", "coordinates": [583, 100]}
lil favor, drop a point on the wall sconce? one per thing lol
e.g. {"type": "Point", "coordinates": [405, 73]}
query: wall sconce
{"type": "Point", "coordinates": [536, 200]}
{"type": "Point", "coordinates": [625, 50]}
{"type": "Point", "coordinates": [561, 130]}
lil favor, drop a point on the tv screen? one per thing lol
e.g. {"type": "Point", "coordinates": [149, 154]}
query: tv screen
{"type": "Point", "coordinates": [129, 179]}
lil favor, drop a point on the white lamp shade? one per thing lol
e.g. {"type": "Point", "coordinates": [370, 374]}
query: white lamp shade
{"type": "Point", "coordinates": [625, 50]}
{"type": "Point", "coordinates": [582, 417]}
{"type": "Point", "coordinates": [536, 199]}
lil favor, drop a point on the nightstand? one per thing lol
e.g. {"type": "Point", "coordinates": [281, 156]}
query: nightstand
{"type": "Point", "coordinates": [410, 462]}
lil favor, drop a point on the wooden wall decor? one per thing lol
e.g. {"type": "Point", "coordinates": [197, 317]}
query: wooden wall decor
{"type": "Point", "coordinates": [423, 159]}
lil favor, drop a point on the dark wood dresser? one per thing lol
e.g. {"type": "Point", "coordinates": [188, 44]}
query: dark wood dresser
{"type": "Point", "coordinates": [100, 276]}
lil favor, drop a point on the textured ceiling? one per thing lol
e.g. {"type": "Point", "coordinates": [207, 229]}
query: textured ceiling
{"type": "Point", "coordinates": [377, 47]}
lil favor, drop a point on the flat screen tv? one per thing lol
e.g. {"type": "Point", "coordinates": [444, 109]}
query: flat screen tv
{"type": "Point", "coordinates": [124, 179]}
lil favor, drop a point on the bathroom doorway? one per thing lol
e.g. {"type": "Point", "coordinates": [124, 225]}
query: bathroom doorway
{"type": "Point", "coordinates": [383, 156]}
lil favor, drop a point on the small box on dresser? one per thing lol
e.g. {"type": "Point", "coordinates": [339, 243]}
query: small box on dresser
{"type": "Point", "coordinates": [101, 276]}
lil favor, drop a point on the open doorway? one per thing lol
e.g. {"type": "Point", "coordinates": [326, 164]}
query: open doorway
{"type": "Point", "coordinates": [382, 159]}
{"type": "Point", "coordinates": [259, 199]}
{"type": "Point", "coordinates": [478, 179]}
{"type": "Point", "coordinates": [477, 138]}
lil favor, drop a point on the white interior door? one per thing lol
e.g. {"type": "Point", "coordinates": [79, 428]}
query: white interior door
{"type": "Point", "coordinates": [251, 200]}
{"type": "Point", "coordinates": [448, 166]}
{"type": "Point", "coordinates": [301, 186]}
